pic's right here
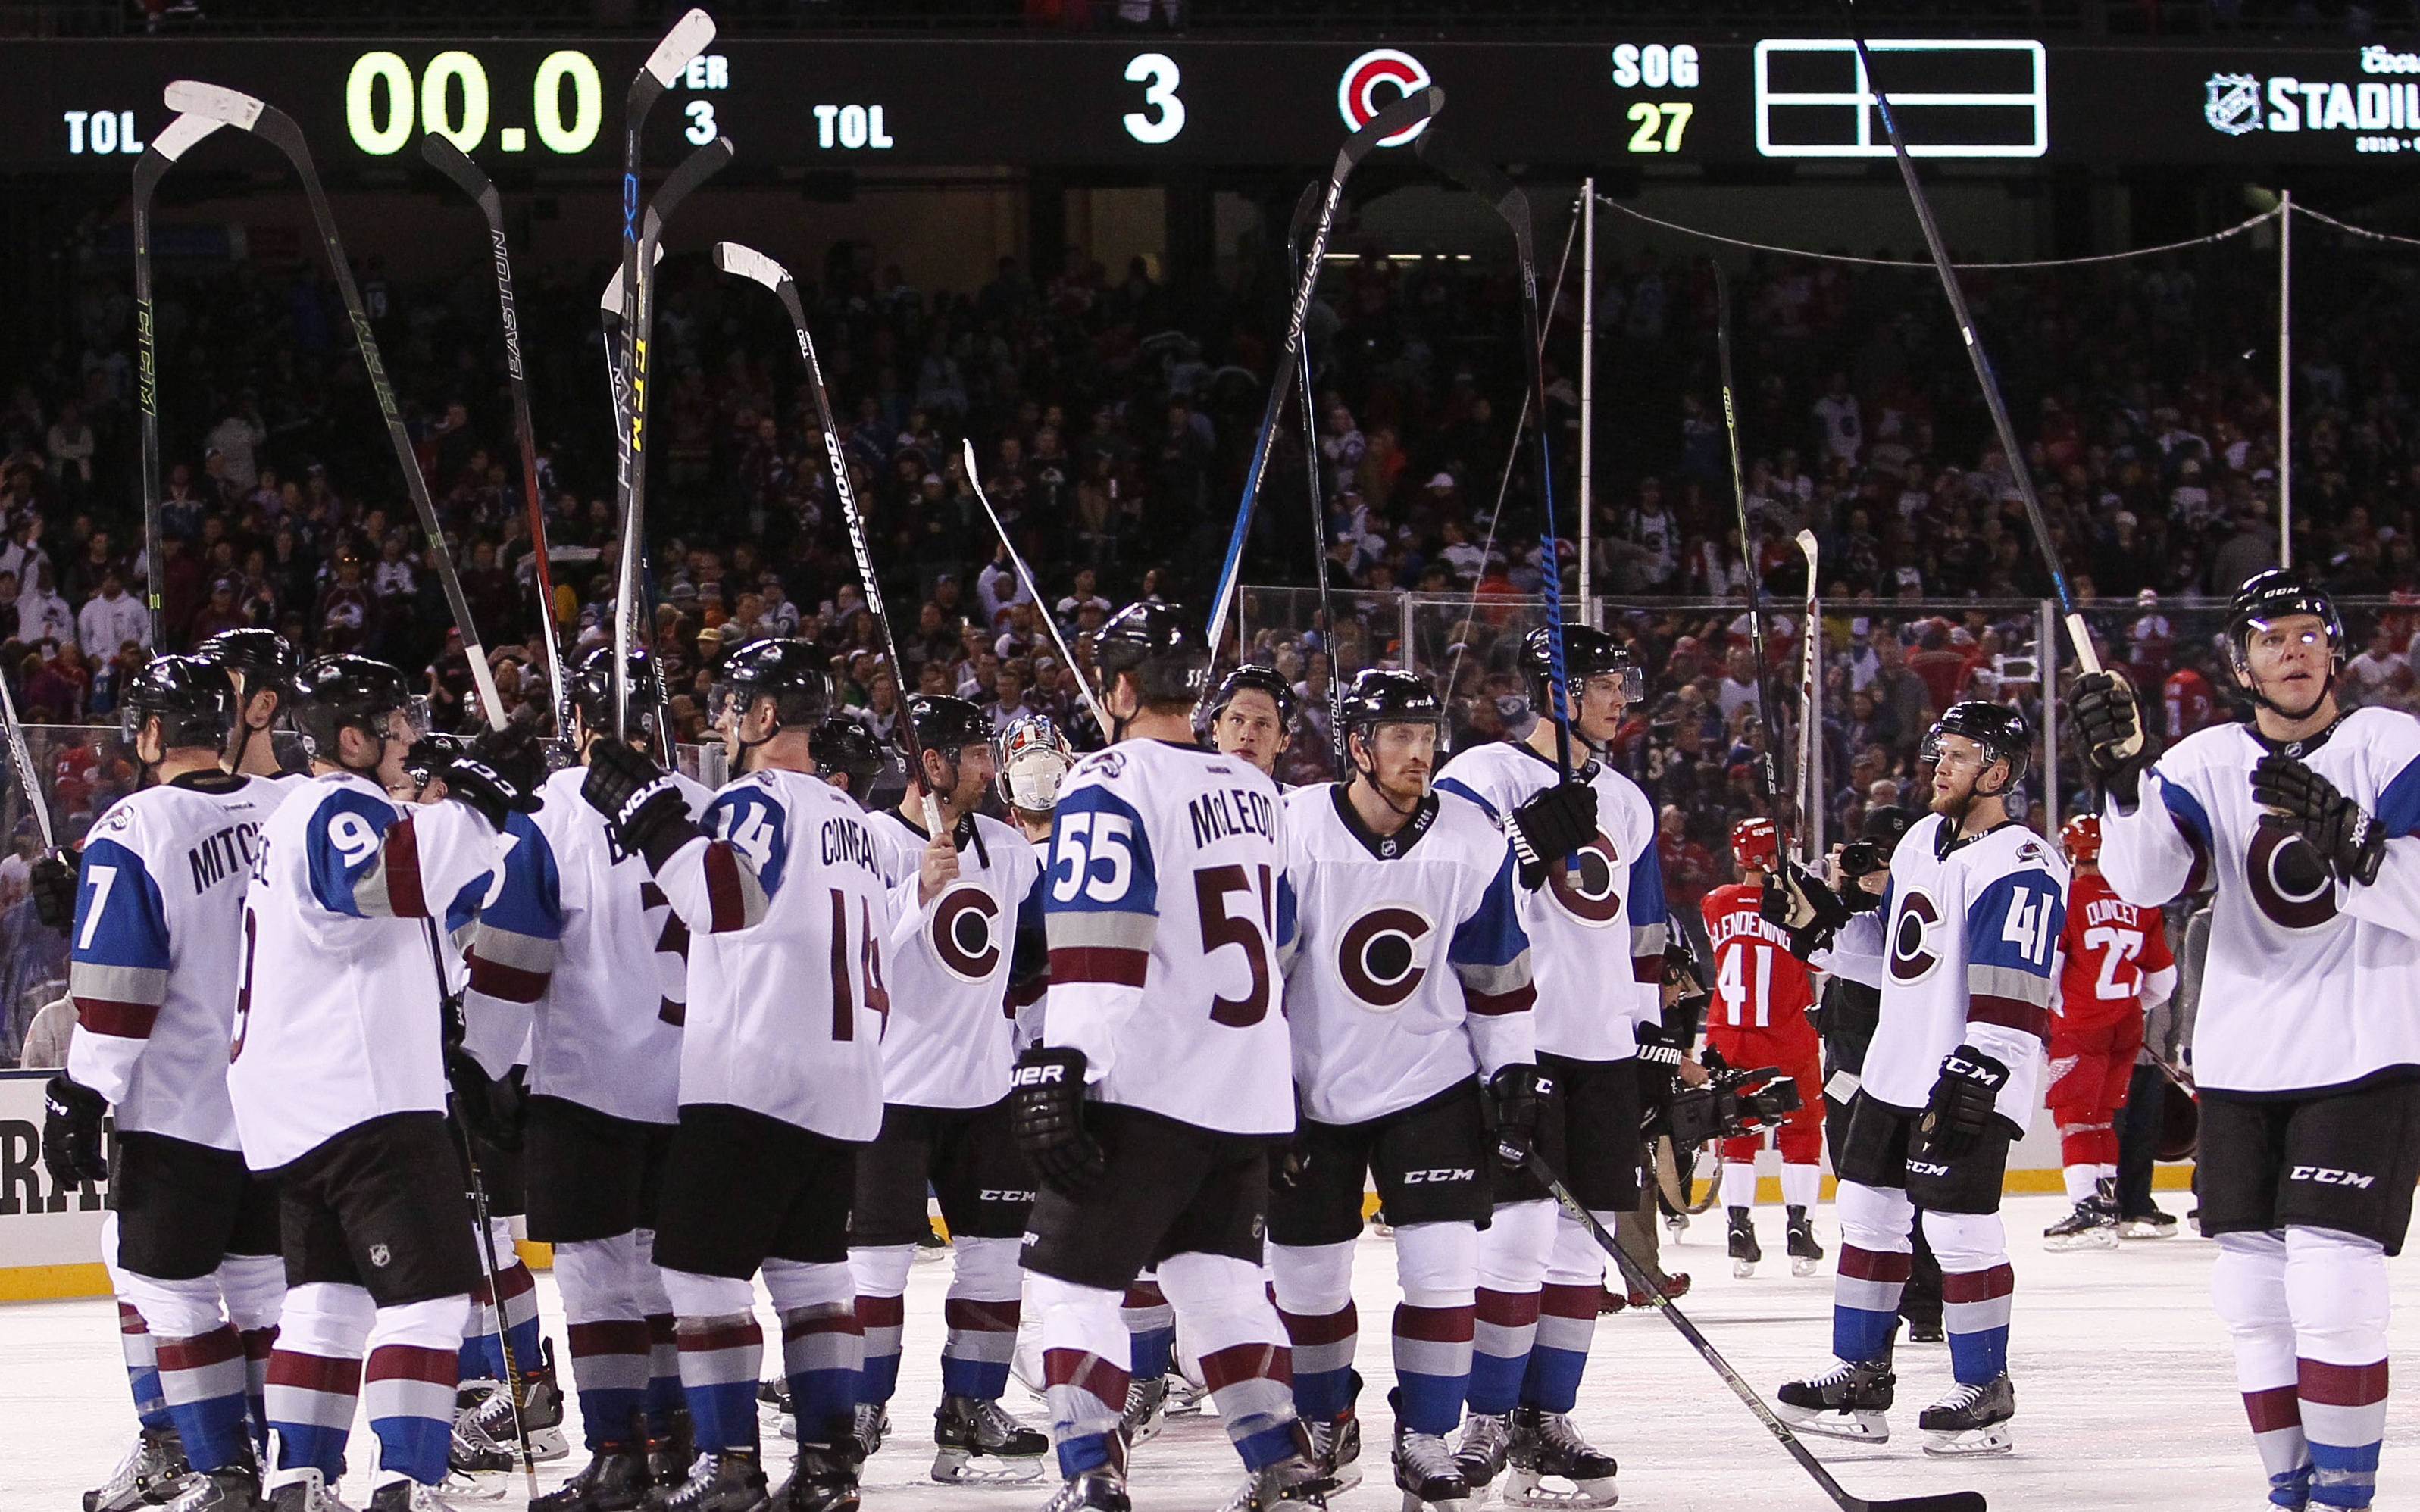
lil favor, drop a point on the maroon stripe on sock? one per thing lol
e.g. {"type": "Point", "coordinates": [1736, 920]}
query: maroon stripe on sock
{"type": "Point", "coordinates": [130, 1321]}
{"type": "Point", "coordinates": [1321, 1328]}
{"type": "Point", "coordinates": [982, 1317]}
{"type": "Point", "coordinates": [842, 1322]}
{"type": "Point", "coordinates": [2340, 1385]}
{"type": "Point", "coordinates": [2276, 1407]}
{"type": "Point", "coordinates": [614, 1336]}
{"type": "Point", "coordinates": [1978, 1285]}
{"type": "Point", "coordinates": [202, 1350]}
{"type": "Point", "coordinates": [1085, 1371]}
{"type": "Point", "coordinates": [1144, 1294]}
{"type": "Point", "coordinates": [411, 1362]}
{"type": "Point", "coordinates": [881, 1312]}
{"type": "Point", "coordinates": [1507, 1309]}
{"type": "Point", "coordinates": [515, 1280]}
{"type": "Point", "coordinates": [312, 1372]}
{"type": "Point", "coordinates": [1555, 1300]}
{"type": "Point", "coordinates": [258, 1342]}
{"type": "Point", "coordinates": [1435, 1325]}
{"type": "Point", "coordinates": [1221, 1368]}
{"type": "Point", "coordinates": [706, 1340]}
{"type": "Point", "coordinates": [1875, 1265]}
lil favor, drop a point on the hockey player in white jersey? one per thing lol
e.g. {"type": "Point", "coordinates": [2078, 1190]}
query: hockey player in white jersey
{"type": "Point", "coordinates": [1592, 904]}
{"type": "Point", "coordinates": [1163, 1075]}
{"type": "Point", "coordinates": [2307, 1050]}
{"type": "Point", "coordinates": [261, 665]}
{"type": "Point", "coordinates": [338, 1080]}
{"type": "Point", "coordinates": [790, 914]}
{"type": "Point", "coordinates": [847, 756]}
{"type": "Point", "coordinates": [1414, 1056]}
{"type": "Point", "coordinates": [1252, 715]}
{"type": "Point", "coordinates": [953, 964]}
{"type": "Point", "coordinates": [158, 927]}
{"type": "Point", "coordinates": [1965, 950]}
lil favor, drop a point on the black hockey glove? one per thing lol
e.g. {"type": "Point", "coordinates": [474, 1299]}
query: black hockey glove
{"type": "Point", "coordinates": [1511, 1105]}
{"type": "Point", "coordinates": [1552, 823]}
{"type": "Point", "coordinates": [1965, 1100]}
{"type": "Point", "coordinates": [499, 776]}
{"type": "Point", "coordinates": [52, 887]}
{"type": "Point", "coordinates": [2300, 801]}
{"type": "Point", "coordinates": [640, 801]}
{"type": "Point", "coordinates": [1796, 900]}
{"type": "Point", "coordinates": [1659, 1046]}
{"type": "Point", "coordinates": [1046, 1108]}
{"type": "Point", "coordinates": [2108, 721]}
{"type": "Point", "coordinates": [493, 1109]}
{"type": "Point", "coordinates": [71, 1132]}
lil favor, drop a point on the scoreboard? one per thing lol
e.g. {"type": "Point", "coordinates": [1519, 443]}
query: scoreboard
{"type": "Point", "coordinates": [1645, 99]}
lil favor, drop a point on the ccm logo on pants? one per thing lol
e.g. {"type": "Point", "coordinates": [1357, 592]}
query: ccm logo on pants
{"type": "Point", "coordinates": [2329, 1176]}
{"type": "Point", "coordinates": [1443, 1173]}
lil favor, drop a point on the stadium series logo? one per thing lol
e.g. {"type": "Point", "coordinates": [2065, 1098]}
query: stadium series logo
{"type": "Point", "coordinates": [2233, 104]}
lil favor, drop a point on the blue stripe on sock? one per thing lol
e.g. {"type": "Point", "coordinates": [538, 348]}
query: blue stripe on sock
{"type": "Point", "coordinates": [1496, 1382]}
{"type": "Point", "coordinates": [723, 1416]}
{"type": "Point", "coordinates": [1861, 1335]}
{"type": "Point", "coordinates": [1430, 1404]}
{"type": "Point", "coordinates": [2343, 1475]}
{"type": "Point", "coordinates": [819, 1396]}
{"type": "Point", "coordinates": [415, 1447]}
{"type": "Point", "coordinates": [213, 1429]}
{"type": "Point", "coordinates": [663, 1397]}
{"type": "Point", "coordinates": [1320, 1395]}
{"type": "Point", "coordinates": [881, 1377]}
{"type": "Point", "coordinates": [1081, 1452]}
{"type": "Point", "coordinates": [323, 1449]}
{"type": "Point", "coordinates": [149, 1405]}
{"type": "Point", "coordinates": [480, 1359]}
{"type": "Point", "coordinates": [1266, 1446]}
{"type": "Point", "coordinates": [1981, 1357]}
{"type": "Point", "coordinates": [528, 1352]}
{"type": "Point", "coordinates": [1552, 1382]}
{"type": "Point", "coordinates": [1152, 1350]}
{"type": "Point", "coordinates": [606, 1413]}
{"type": "Point", "coordinates": [985, 1379]}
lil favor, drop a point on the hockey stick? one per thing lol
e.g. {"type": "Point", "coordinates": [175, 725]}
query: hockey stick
{"type": "Point", "coordinates": [449, 159]}
{"type": "Point", "coordinates": [22, 755]}
{"type": "Point", "coordinates": [748, 263]}
{"type": "Point", "coordinates": [638, 325]}
{"type": "Point", "coordinates": [1767, 712]}
{"type": "Point", "coordinates": [1639, 1280]}
{"type": "Point", "coordinates": [1025, 576]}
{"type": "Point", "coordinates": [1810, 714]}
{"type": "Point", "coordinates": [1304, 209]}
{"type": "Point", "coordinates": [158, 157]}
{"type": "Point", "coordinates": [2076, 631]}
{"type": "Point", "coordinates": [1489, 183]}
{"type": "Point", "coordinates": [1407, 114]}
{"type": "Point", "coordinates": [275, 126]}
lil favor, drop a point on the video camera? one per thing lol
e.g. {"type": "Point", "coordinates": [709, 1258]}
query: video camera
{"type": "Point", "coordinates": [1733, 1100]}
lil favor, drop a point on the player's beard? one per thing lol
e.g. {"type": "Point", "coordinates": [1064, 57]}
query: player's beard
{"type": "Point", "coordinates": [1952, 807]}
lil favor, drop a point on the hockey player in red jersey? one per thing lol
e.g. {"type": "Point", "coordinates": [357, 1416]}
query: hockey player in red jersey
{"type": "Point", "coordinates": [2118, 969]}
{"type": "Point", "coordinates": [1763, 997]}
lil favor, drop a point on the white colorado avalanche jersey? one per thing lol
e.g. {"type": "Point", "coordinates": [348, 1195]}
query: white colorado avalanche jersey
{"type": "Point", "coordinates": [953, 1021]}
{"type": "Point", "coordinates": [154, 953]}
{"type": "Point", "coordinates": [1411, 972]}
{"type": "Point", "coordinates": [789, 916]}
{"type": "Point", "coordinates": [1597, 927]}
{"type": "Point", "coordinates": [338, 1021]}
{"type": "Point", "coordinates": [2308, 984]}
{"type": "Point", "coordinates": [1964, 950]}
{"type": "Point", "coordinates": [1168, 913]}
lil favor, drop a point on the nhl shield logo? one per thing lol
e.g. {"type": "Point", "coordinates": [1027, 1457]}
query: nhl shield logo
{"type": "Point", "coordinates": [2233, 106]}
{"type": "Point", "coordinates": [379, 1256]}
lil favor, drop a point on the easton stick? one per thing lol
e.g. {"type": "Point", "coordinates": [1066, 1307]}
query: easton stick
{"type": "Point", "coordinates": [1304, 209]}
{"type": "Point", "coordinates": [1766, 711]}
{"type": "Point", "coordinates": [275, 126]}
{"type": "Point", "coordinates": [1025, 576]}
{"type": "Point", "coordinates": [449, 159]}
{"type": "Point", "coordinates": [748, 263]}
{"type": "Point", "coordinates": [1489, 183]}
{"type": "Point", "coordinates": [1407, 114]}
{"type": "Point", "coordinates": [1810, 714]}
{"type": "Point", "coordinates": [2076, 631]}
{"type": "Point", "coordinates": [1641, 1283]}
{"type": "Point", "coordinates": [170, 144]}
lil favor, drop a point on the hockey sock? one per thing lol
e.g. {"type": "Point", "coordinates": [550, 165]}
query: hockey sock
{"type": "Point", "coordinates": [880, 1276]}
{"type": "Point", "coordinates": [1436, 1265]}
{"type": "Point", "coordinates": [2337, 1291]}
{"type": "Point", "coordinates": [1876, 1255]}
{"type": "Point", "coordinates": [822, 1348]}
{"type": "Point", "coordinates": [982, 1310]}
{"type": "Point", "coordinates": [2247, 1285]}
{"type": "Point", "coordinates": [254, 1290]}
{"type": "Point", "coordinates": [1152, 1324]}
{"type": "Point", "coordinates": [202, 1379]}
{"type": "Point", "coordinates": [720, 1357]}
{"type": "Point", "coordinates": [1245, 1360]}
{"type": "Point", "coordinates": [1976, 1289]}
{"type": "Point", "coordinates": [408, 1384]}
{"type": "Point", "coordinates": [519, 1308]}
{"type": "Point", "coordinates": [1739, 1179]}
{"type": "Point", "coordinates": [1084, 1354]}
{"type": "Point", "coordinates": [664, 1394]}
{"type": "Point", "coordinates": [1802, 1184]}
{"type": "Point", "coordinates": [1567, 1312]}
{"type": "Point", "coordinates": [481, 1356]}
{"type": "Point", "coordinates": [1512, 1263]}
{"type": "Point", "coordinates": [259, 1348]}
{"type": "Point", "coordinates": [1314, 1288]}
{"type": "Point", "coordinates": [142, 1368]}
{"type": "Point", "coordinates": [315, 1375]}
{"type": "Point", "coordinates": [607, 1334]}
{"type": "Point", "coordinates": [2080, 1177]}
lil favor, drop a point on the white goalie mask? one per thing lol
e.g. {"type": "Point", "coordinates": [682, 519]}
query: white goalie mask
{"type": "Point", "coordinates": [1033, 759]}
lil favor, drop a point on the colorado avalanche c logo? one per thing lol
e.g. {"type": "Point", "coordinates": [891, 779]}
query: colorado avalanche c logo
{"type": "Point", "coordinates": [2291, 883]}
{"type": "Point", "coordinates": [963, 935]}
{"type": "Point", "coordinates": [1587, 885]}
{"type": "Point", "coordinates": [1382, 958]}
{"type": "Point", "coordinates": [1359, 96]}
{"type": "Point", "coordinates": [1911, 928]}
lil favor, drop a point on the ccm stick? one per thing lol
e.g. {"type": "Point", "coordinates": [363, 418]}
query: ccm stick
{"type": "Point", "coordinates": [1025, 576]}
{"type": "Point", "coordinates": [171, 144]}
{"type": "Point", "coordinates": [1640, 1281]}
{"type": "Point", "coordinates": [1767, 712]}
{"type": "Point", "coordinates": [1408, 113]}
{"type": "Point", "coordinates": [1304, 209]}
{"type": "Point", "coordinates": [449, 159]}
{"type": "Point", "coordinates": [276, 128]}
{"type": "Point", "coordinates": [753, 265]}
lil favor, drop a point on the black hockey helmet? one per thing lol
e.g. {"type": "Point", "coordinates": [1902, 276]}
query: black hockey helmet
{"type": "Point", "coordinates": [1159, 644]}
{"type": "Point", "coordinates": [790, 673]}
{"type": "Point", "coordinates": [189, 695]}
{"type": "Point", "coordinates": [1254, 677]}
{"type": "Point", "coordinates": [2001, 731]}
{"type": "Point", "coordinates": [2271, 595]}
{"type": "Point", "coordinates": [429, 754]}
{"type": "Point", "coordinates": [333, 692]}
{"type": "Point", "coordinates": [262, 657]}
{"type": "Point", "coordinates": [591, 690]}
{"type": "Point", "coordinates": [945, 724]}
{"type": "Point", "coordinates": [845, 747]}
{"type": "Point", "coordinates": [1588, 652]}
{"type": "Point", "coordinates": [1382, 695]}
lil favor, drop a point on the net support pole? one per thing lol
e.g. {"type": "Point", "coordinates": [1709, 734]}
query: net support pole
{"type": "Point", "coordinates": [2046, 668]}
{"type": "Point", "coordinates": [2286, 379]}
{"type": "Point", "coordinates": [1588, 397]}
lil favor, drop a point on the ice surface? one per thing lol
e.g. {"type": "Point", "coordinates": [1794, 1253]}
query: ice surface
{"type": "Point", "coordinates": [2125, 1394]}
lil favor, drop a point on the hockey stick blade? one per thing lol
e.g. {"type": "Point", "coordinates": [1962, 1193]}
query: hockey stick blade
{"type": "Point", "coordinates": [215, 101]}
{"type": "Point", "coordinates": [690, 36]}
{"type": "Point", "coordinates": [178, 137]}
{"type": "Point", "coordinates": [682, 181]}
{"type": "Point", "coordinates": [1413, 111]}
{"type": "Point", "coordinates": [454, 163]}
{"type": "Point", "coordinates": [731, 258]}
{"type": "Point", "coordinates": [1483, 178]}
{"type": "Point", "coordinates": [610, 303]}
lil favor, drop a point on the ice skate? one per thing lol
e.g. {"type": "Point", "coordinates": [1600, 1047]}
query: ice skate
{"type": "Point", "coordinates": [869, 1425]}
{"type": "Point", "coordinates": [1847, 1402]}
{"type": "Point", "coordinates": [1926, 1330]}
{"type": "Point", "coordinates": [728, 1481]}
{"type": "Point", "coordinates": [146, 1477]}
{"type": "Point", "coordinates": [1427, 1473]}
{"type": "Point", "coordinates": [489, 1425]}
{"type": "Point", "coordinates": [615, 1479]}
{"type": "Point", "coordinates": [968, 1429]}
{"type": "Point", "coordinates": [1805, 1253]}
{"type": "Point", "coordinates": [1336, 1443]}
{"type": "Point", "coordinates": [1971, 1420]}
{"type": "Point", "coordinates": [2087, 1225]}
{"type": "Point", "coordinates": [1546, 1446]}
{"type": "Point", "coordinates": [2152, 1225]}
{"type": "Point", "coordinates": [228, 1488]}
{"type": "Point", "coordinates": [667, 1458]}
{"type": "Point", "coordinates": [1102, 1488]}
{"type": "Point", "coordinates": [1672, 1287]}
{"type": "Point", "coordinates": [403, 1495]}
{"type": "Point", "coordinates": [302, 1489]}
{"type": "Point", "coordinates": [460, 1487]}
{"type": "Point", "coordinates": [1744, 1250]}
{"type": "Point", "coordinates": [1486, 1444]}
{"type": "Point", "coordinates": [1185, 1394]}
{"type": "Point", "coordinates": [1146, 1411]}
{"type": "Point", "coordinates": [1297, 1481]}
{"type": "Point", "coordinates": [823, 1480]}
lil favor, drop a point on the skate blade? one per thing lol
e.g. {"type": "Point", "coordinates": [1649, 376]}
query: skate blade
{"type": "Point", "coordinates": [1971, 1442]}
{"type": "Point", "coordinates": [1526, 1487]}
{"type": "Point", "coordinates": [2145, 1231]}
{"type": "Point", "coordinates": [956, 1467]}
{"type": "Point", "coordinates": [1742, 1270]}
{"type": "Point", "coordinates": [487, 1487]}
{"type": "Point", "coordinates": [1858, 1427]}
{"type": "Point", "coordinates": [1801, 1267]}
{"type": "Point", "coordinates": [1412, 1502]}
{"type": "Point", "coordinates": [2090, 1239]}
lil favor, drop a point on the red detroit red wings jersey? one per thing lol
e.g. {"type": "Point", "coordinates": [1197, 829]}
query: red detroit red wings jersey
{"type": "Point", "coordinates": [2110, 945]}
{"type": "Point", "coordinates": [1762, 992]}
